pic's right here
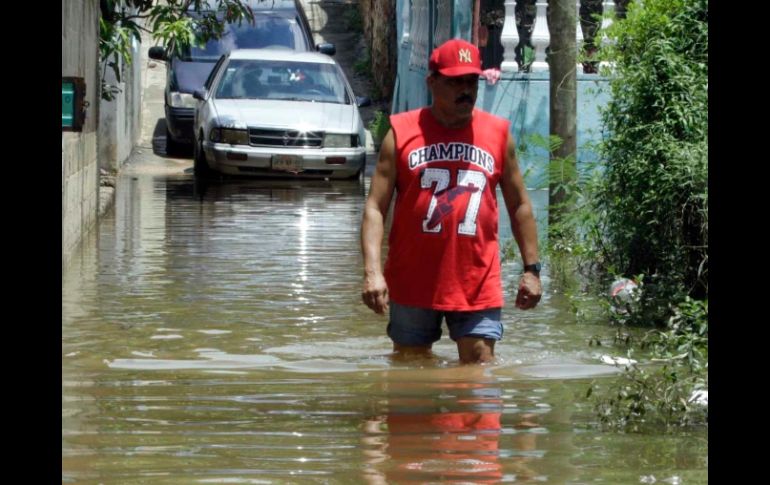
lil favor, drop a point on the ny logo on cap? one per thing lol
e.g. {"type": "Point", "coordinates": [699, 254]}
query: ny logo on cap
{"type": "Point", "coordinates": [465, 55]}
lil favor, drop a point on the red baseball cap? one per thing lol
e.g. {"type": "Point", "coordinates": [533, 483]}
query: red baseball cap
{"type": "Point", "coordinates": [455, 57]}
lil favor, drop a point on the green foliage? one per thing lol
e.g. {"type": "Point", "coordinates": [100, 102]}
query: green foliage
{"type": "Point", "coordinates": [572, 257]}
{"type": "Point", "coordinates": [114, 50]}
{"type": "Point", "coordinates": [685, 339]}
{"type": "Point", "coordinates": [653, 196]}
{"type": "Point", "coordinates": [177, 24]}
{"type": "Point", "coordinates": [651, 398]}
{"type": "Point", "coordinates": [379, 126]}
{"type": "Point", "coordinates": [353, 19]}
{"type": "Point", "coordinates": [508, 250]}
{"type": "Point", "coordinates": [643, 212]}
{"type": "Point", "coordinates": [663, 393]}
{"type": "Point", "coordinates": [527, 58]}
{"type": "Point", "coordinates": [363, 66]}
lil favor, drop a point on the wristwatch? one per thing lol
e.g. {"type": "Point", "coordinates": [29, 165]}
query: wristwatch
{"type": "Point", "coordinates": [533, 268]}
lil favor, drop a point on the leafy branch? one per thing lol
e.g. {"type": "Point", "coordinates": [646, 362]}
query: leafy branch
{"type": "Point", "coordinates": [178, 24]}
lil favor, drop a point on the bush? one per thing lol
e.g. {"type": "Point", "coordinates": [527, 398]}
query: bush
{"type": "Point", "coordinates": [653, 196]}
{"type": "Point", "coordinates": [647, 213]}
{"type": "Point", "coordinates": [379, 126]}
{"type": "Point", "coordinates": [664, 394]}
{"type": "Point", "coordinates": [353, 20]}
{"type": "Point", "coordinates": [363, 66]}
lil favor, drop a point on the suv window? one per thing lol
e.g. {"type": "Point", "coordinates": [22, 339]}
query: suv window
{"type": "Point", "coordinates": [267, 31]}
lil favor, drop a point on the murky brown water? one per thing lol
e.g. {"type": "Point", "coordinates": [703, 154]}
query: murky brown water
{"type": "Point", "coordinates": [218, 336]}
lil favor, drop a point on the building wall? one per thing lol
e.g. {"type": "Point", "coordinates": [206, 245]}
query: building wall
{"type": "Point", "coordinates": [524, 100]}
{"type": "Point", "coordinates": [80, 167]}
{"type": "Point", "coordinates": [111, 128]}
{"type": "Point", "coordinates": [120, 118]}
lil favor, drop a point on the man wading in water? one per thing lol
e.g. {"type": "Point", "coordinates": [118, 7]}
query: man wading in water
{"type": "Point", "coordinates": [444, 162]}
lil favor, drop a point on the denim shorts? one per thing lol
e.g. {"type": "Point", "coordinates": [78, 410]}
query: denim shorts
{"type": "Point", "coordinates": [411, 326]}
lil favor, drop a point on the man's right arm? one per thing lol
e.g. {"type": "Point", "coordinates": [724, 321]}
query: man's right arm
{"type": "Point", "coordinates": [375, 289]}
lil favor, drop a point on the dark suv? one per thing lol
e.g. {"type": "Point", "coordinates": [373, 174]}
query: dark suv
{"type": "Point", "coordinates": [277, 24]}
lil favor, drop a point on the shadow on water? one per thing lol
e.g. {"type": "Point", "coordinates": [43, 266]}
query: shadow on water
{"type": "Point", "coordinates": [160, 143]}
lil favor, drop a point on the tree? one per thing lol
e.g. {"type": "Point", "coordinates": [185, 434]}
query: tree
{"type": "Point", "coordinates": [178, 23]}
{"type": "Point", "coordinates": [562, 58]}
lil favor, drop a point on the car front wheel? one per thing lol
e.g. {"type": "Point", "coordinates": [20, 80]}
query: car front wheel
{"type": "Point", "coordinates": [200, 165]}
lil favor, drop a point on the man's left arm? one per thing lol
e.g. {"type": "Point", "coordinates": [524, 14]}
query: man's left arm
{"type": "Point", "coordinates": [523, 226]}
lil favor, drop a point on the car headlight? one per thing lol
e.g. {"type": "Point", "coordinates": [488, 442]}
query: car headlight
{"type": "Point", "coordinates": [333, 140]}
{"type": "Point", "coordinates": [182, 100]}
{"type": "Point", "coordinates": [229, 135]}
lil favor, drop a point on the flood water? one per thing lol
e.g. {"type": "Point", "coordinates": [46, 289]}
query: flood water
{"type": "Point", "coordinates": [216, 335]}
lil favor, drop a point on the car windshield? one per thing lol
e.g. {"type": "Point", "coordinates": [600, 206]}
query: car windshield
{"type": "Point", "coordinates": [268, 31]}
{"type": "Point", "coordinates": [282, 80]}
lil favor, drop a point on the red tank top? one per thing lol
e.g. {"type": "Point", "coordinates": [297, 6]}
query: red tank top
{"type": "Point", "coordinates": [443, 244]}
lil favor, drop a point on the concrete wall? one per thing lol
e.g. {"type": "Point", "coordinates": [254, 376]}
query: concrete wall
{"type": "Point", "coordinates": [524, 100]}
{"type": "Point", "coordinates": [80, 167]}
{"type": "Point", "coordinates": [120, 119]}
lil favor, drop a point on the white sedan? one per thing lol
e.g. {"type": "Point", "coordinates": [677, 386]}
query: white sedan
{"type": "Point", "coordinates": [279, 112]}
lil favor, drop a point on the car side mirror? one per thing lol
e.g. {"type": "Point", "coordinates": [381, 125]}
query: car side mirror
{"type": "Point", "coordinates": [200, 94]}
{"type": "Point", "coordinates": [327, 48]}
{"type": "Point", "coordinates": [363, 101]}
{"type": "Point", "coordinates": [158, 53]}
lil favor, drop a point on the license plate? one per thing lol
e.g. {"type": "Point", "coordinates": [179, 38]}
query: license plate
{"type": "Point", "coordinates": [287, 163]}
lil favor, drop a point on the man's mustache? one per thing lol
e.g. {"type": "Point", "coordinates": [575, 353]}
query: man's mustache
{"type": "Point", "coordinates": [464, 97]}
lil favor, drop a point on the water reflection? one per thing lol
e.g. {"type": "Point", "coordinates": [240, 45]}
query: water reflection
{"type": "Point", "coordinates": [455, 424]}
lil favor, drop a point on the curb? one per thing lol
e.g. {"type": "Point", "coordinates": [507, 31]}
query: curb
{"type": "Point", "coordinates": [106, 192]}
{"type": "Point", "coordinates": [106, 198]}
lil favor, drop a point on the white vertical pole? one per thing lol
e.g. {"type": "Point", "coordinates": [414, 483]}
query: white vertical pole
{"type": "Point", "coordinates": [510, 38]}
{"type": "Point", "coordinates": [540, 37]}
